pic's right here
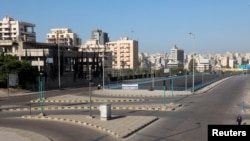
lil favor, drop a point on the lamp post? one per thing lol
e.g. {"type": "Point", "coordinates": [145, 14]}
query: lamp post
{"type": "Point", "coordinates": [41, 92]}
{"type": "Point", "coordinates": [58, 55]}
{"type": "Point", "coordinates": [90, 101]}
{"type": "Point", "coordinates": [186, 80]}
{"type": "Point", "coordinates": [193, 58]}
{"type": "Point", "coordinates": [103, 77]}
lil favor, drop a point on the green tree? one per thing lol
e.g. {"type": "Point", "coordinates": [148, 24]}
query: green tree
{"type": "Point", "coordinates": [190, 66]}
{"type": "Point", "coordinates": [10, 64]}
{"type": "Point", "coordinates": [177, 71]}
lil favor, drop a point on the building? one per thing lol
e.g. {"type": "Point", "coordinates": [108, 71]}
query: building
{"type": "Point", "coordinates": [225, 62]}
{"type": "Point", "coordinates": [203, 65]}
{"type": "Point", "coordinates": [11, 29]}
{"type": "Point", "coordinates": [176, 57]}
{"type": "Point", "coordinates": [125, 53]}
{"type": "Point", "coordinates": [103, 53]}
{"type": "Point", "coordinates": [101, 37]}
{"type": "Point", "coordinates": [63, 36]}
{"type": "Point", "coordinates": [232, 63]}
{"type": "Point", "coordinates": [62, 67]}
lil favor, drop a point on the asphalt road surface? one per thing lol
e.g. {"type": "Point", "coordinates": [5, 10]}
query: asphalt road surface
{"type": "Point", "coordinates": [220, 105]}
{"type": "Point", "coordinates": [57, 131]}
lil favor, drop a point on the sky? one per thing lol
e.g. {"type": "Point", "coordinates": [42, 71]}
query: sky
{"type": "Point", "coordinates": [217, 26]}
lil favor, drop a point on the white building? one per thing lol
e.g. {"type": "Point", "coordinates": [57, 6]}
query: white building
{"type": "Point", "coordinates": [176, 58]}
{"type": "Point", "coordinates": [11, 29]}
{"type": "Point", "coordinates": [63, 36]}
{"type": "Point", "coordinates": [203, 65]}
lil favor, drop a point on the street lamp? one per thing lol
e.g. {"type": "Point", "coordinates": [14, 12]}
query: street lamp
{"type": "Point", "coordinates": [58, 55]}
{"type": "Point", "coordinates": [193, 58]}
{"type": "Point", "coordinates": [103, 67]}
{"type": "Point", "coordinates": [186, 80]}
{"type": "Point", "coordinates": [41, 92]}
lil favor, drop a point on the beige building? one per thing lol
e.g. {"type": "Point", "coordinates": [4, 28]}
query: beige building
{"type": "Point", "coordinates": [125, 53]}
{"type": "Point", "coordinates": [225, 61]}
{"type": "Point", "coordinates": [63, 36]}
{"type": "Point", "coordinates": [248, 56]}
{"type": "Point", "coordinates": [11, 29]}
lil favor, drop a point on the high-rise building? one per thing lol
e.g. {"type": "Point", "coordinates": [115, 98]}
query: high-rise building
{"type": "Point", "coordinates": [101, 37]}
{"type": "Point", "coordinates": [63, 36]}
{"type": "Point", "coordinates": [11, 29]}
{"type": "Point", "coordinates": [125, 53]}
{"type": "Point", "coordinates": [176, 58]}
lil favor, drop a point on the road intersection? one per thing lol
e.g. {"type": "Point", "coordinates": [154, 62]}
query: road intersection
{"type": "Point", "coordinates": [134, 123]}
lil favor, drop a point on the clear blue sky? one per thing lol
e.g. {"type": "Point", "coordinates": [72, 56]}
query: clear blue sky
{"type": "Point", "coordinates": [218, 25]}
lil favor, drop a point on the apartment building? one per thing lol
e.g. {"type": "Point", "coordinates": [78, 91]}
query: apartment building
{"type": "Point", "coordinates": [63, 36]}
{"type": "Point", "coordinates": [11, 29]}
{"type": "Point", "coordinates": [125, 53]}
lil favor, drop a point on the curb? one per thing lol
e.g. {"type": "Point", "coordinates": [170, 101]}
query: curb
{"type": "Point", "coordinates": [143, 96]}
{"type": "Point", "coordinates": [143, 108]}
{"type": "Point", "coordinates": [87, 101]}
{"type": "Point", "coordinates": [67, 120]}
{"type": "Point", "coordinates": [71, 121]}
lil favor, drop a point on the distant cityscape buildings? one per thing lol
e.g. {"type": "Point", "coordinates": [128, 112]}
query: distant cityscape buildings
{"type": "Point", "coordinates": [120, 54]}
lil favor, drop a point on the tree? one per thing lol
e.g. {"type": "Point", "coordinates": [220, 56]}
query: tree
{"type": "Point", "coordinates": [10, 64]}
{"type": "Point", "coordinates": [190, 66]}
{"type": "Point", "coordinates": [177, 71]}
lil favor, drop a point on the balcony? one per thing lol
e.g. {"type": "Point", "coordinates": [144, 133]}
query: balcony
{"type": "Point", "coordinates": [5, 26]}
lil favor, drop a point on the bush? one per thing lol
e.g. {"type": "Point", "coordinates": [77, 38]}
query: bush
{"type": "Point", "coordinates": [151, 88]}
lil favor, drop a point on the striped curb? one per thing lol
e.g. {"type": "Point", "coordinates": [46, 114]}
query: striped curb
{"type": "Point", "coordinates": [139, 108]}
{"type": "Point", "coordinates": [156, 96]}
{"type": "Point", "coordinates": [144, 96]}
{"type": "Point", "coordinates": [72, 121]}
{"type": "Point", "coordinates": [87, 101]}
{"type": "Point", "coordinates": [123, 135]}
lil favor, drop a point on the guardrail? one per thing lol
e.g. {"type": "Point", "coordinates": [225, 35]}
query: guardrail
{"type": "Point", "coordinates": [180, 82]}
